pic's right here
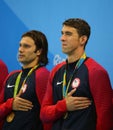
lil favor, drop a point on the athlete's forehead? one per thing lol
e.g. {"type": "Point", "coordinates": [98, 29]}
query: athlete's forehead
{"type": "Point", "coordinates": [26, 41]}
{"type": "Point", "coordinates": [68, 29]}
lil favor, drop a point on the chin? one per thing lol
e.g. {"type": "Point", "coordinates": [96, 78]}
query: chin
{"type": "Point", "coordinates": [64, 52]}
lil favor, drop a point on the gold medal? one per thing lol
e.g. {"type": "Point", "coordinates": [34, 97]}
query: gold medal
{"type": "Point", "coordinates": [10, 117]}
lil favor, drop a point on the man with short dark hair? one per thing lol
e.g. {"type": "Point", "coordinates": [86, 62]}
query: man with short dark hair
{"type": "Point", "coordinates": [79, 93]}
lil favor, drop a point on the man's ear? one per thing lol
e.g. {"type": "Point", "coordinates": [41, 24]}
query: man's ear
{"type": "Point", "coordinates": [38, 52]}
{"type": "Point", "coordinates": [83, 40]}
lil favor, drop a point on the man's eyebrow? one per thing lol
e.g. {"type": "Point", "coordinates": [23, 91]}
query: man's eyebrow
{"type": "Point", "coordinates": [24, 44]}
{"type": "Point", "coordinates": [67, 32]}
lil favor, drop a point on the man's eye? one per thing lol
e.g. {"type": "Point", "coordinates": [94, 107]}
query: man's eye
{"type": "Point", "coordinates": [26, 46]}
{"type": "Point", "coordinates": [68, 33]}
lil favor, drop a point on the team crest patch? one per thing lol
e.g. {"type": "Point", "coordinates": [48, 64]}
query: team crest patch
{"type": "Point", "coordinates": [76, 83]}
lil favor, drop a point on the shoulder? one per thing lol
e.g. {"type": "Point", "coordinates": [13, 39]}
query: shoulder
{"type": "Point", "coordinates": [95, 67]}
{"type": "Point", "coordinates": [42, 72]}
{"type": "Point", "coordinates": [41, 76]}
{"type": "Point", "coordinates": [56, 68]}
{"type": "Point", "coordinates": [91, 63]}
{"type": "Point", "coordinates": [3, 70]}
{"type": "Point", "coordinates": [13, 73]}
{"type": "Point", "coordinates": [2, 65]}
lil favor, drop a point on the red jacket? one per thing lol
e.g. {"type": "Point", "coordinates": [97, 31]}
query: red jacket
{"type": "Point", "coordinates": [3, 75]}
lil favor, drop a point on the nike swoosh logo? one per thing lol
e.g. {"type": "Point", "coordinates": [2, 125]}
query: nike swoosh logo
{"type": "Point", "coordinates": [58, 83]}
{"type": "Point", "coordinates": [10, 86]}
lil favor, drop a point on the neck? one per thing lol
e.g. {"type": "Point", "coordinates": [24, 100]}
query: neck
{"type": "Point", "coordinates": [25, 66]}
{"type": "Point", "coordinates": [75, 57]}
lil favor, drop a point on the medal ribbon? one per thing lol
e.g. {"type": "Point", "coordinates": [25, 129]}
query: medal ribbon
{"type": "Point", "coordinates": [19, 77]}
{"type": "Point", "coordinates": [65, 88]}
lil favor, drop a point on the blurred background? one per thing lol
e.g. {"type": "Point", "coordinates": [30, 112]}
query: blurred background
{"type": "Point", "coordinates": [19, 16]}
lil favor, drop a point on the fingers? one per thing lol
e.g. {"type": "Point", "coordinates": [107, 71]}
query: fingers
{"type": "Point", "coordinates": [76, 103]}
{"type": "Point", "coordinates": [71, 92]}
{"type": "Point", "coordinates": [82, 99]}
{"type": "Point", "coordinates": [24, 101]}
{"type": "Point", "coordinates": [22, 104]}
{"type": "Point", "coordinates": [25, 104]}
{"type": "Point", "coordinates": [81, 103]}
{"type": "Point", "coordinates": [24, 108]}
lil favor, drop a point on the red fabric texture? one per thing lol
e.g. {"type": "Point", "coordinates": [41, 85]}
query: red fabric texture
{"type": "Point", "coordinates": [5, 107]}
{"type": "Point", "coordinates": [3, 75]}
{"type": "Point", "coordinates": [42, 75]}
{"type": "Point", "coordinates": [51, 113]}
{"type": "Point", "coordinates": [102, 93]}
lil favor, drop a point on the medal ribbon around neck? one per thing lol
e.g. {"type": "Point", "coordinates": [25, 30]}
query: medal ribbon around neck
{"type": "Point", "coordinates": [18, 80]}
{"type": "Point", "coordinates": [11, 115]}
{"type": "Point", "coordinates": [79, 63]}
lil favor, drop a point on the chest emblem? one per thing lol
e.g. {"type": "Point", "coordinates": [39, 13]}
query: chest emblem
{"type": "Point", "coordinates": [76, 83]}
